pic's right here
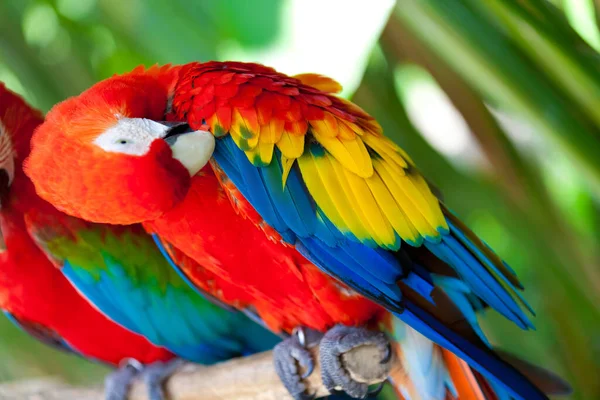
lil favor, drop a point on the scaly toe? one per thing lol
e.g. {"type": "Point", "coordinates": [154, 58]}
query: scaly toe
{"type": "Point", "coordinates": [117, 383]}
{"type": "Point", "coordinates": [288, 355]}
{"type": "Point", "coordinates": [340, 340]}
{"type": "Point", "coordinates": [156, 374]}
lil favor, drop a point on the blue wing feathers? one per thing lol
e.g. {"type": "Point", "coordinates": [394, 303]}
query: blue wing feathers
{"type": "Point", "coordinates": [381, 264]}
{"type": "Point", "coordinates": [458, 293]}
{"type": "Point", "coordinates": [423, 287]}
{"type": "Point", "coordinates": [205, 335]}
{"type": "Point", "coordinates": [374, 272]}
{"type": "Point", "coordinates": [293, 210]}
{"type": "Point", "coordinates": [489, 264]}
{"type": "Point", "coordinates": [326, 232]}
{"type": "Point", "coordinates": [257, 193]}
{"type": "Point", "coordinates": [479, 279]}
{"type": "Point", "coordinates": [336, 268]}
{"type": "Point", "coordinates": [465, 264]}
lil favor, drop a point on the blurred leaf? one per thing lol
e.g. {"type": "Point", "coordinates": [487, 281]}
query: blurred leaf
{"type": "Point", "coordinates": [503, 74]}
{"type": "Point", "coordinates": [582, 15]}
{"type": "Point", "coordinates": [251, 24]}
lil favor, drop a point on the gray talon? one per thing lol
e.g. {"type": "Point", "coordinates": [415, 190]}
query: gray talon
{"type": "Point", "coordinates": [340, 340]}
{"type": "Point", "coordinates": [387, 355]}
{"type": "Point", "coordinates": [291, 353]}
{"type": "Point", "coordinates": [156, 374]}
{"type": "Point", "coordinates": [117, 383]}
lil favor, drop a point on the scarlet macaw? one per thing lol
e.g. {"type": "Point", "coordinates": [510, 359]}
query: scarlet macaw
{"type": "Point", "coordinates": [292, 194]}
{"type": "Point", "coordinates": [119, 269]}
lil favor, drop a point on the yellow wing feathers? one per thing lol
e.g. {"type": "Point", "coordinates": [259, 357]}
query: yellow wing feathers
{"type": "Point", "coordinates": [371, 191]}
{"type": "Point", "coordinates": [363, 182]}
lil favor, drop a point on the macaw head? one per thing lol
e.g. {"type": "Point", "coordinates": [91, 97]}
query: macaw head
{"type": "Point", "coordinates": [105, 155]}
{"type": "Point", "coordinates": [17, 123]}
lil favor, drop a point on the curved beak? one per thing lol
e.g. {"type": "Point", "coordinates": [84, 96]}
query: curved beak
{"type": "Point", "coordinates": [191, 148]}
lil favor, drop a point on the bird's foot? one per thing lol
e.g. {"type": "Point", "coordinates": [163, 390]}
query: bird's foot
{"type": "Point", "coordinates": [338, 341]}
{"type": "Point", "coordinates": [156, 374]}
{"type": "Point", "coordinates": [293, 353]}
{"type": "Point", "coordinates": [117, 383]}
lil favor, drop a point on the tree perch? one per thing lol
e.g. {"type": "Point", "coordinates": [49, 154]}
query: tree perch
{"type": "Point", "coordinates": [244, 378]}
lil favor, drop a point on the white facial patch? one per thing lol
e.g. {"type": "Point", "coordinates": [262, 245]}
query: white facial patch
{"type": "Point", "coordinates": [134, 136]}
{"type": "Point", "coordinates": [131, 136]}
{"type": "Point", "coordinates": [7, 156]}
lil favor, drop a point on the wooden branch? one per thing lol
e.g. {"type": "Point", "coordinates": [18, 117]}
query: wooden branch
{"type": "Point", "coordinates": [245, 378]}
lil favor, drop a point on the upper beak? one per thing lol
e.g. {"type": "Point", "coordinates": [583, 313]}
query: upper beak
{"type": "Point", "coordinates": [192, 148]}
{"type": "Point", "coordinates": [174, 129]}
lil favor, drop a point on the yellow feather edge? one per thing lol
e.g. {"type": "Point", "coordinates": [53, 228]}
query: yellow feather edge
{"type": "Point", "coordinates": [393, 212]}
{"type": "Point", "coordinates": [286, 167]}
{"type": "Point", "coordinates": [241, 134]}
{"type": "Point", "coordinates": [345, 130]}
{"type": "Point", "coordinates": [396, 186]}
{"type": "Point", "coordinates": [380, 145]}
{"type": "Point", "coordinates": [365, 205]}
{"type": "Point", "coordinates": [335, 192]}
{"type": "Point", "coordinates": [316, 187]}
{"type": "Point", "coordinates": [291, 146]}
{"type": "Point", "coordinates": [262, 154]}
{"type": "Point", "coordinates": [437, 217]}
{"type": "Point", "coordinates": [352, 154]}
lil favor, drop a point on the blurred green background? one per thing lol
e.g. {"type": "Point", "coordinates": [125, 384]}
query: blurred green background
{"type": "Point", "coordinates": [498, 102]}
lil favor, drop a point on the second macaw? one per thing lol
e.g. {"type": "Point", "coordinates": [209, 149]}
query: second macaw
{"type": "Point", "coordinates": [118, 269]}
{"type": "Point", "coordinates": [291, 193]}
{"type": "Point", "coordinates": [34, 294]}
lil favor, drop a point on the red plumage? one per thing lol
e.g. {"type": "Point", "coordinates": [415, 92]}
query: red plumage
{"type": "Point", "coordinates": [205, 217]}
{"type": "Point", "coordinates": [34, 290]}
{"type": "Point", "coordinates": [286, 289]}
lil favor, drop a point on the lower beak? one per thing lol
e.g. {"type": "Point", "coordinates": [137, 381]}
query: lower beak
{"type": "Point", "coordinates": [191, 148]}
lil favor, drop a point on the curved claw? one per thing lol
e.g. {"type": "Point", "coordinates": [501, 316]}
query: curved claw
{"type": "Point", "coordinates": [376, 391]}
{"type": "Point", "coordinates": [288, 355]}
{"type": "Point", "coordinates": [387, 355]}
{"type": "Point", "coordinates": [309, 370]}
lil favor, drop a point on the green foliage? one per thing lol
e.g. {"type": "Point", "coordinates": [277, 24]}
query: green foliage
{"type": "Point", "coordinates": [497, 102]}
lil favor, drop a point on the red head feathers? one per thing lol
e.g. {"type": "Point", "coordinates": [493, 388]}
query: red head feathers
{"type": "Point", "coordinates": [86, 136]}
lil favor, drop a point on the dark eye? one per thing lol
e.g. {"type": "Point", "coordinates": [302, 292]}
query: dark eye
{"type": "Point", "coordinates": [122, 141]}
